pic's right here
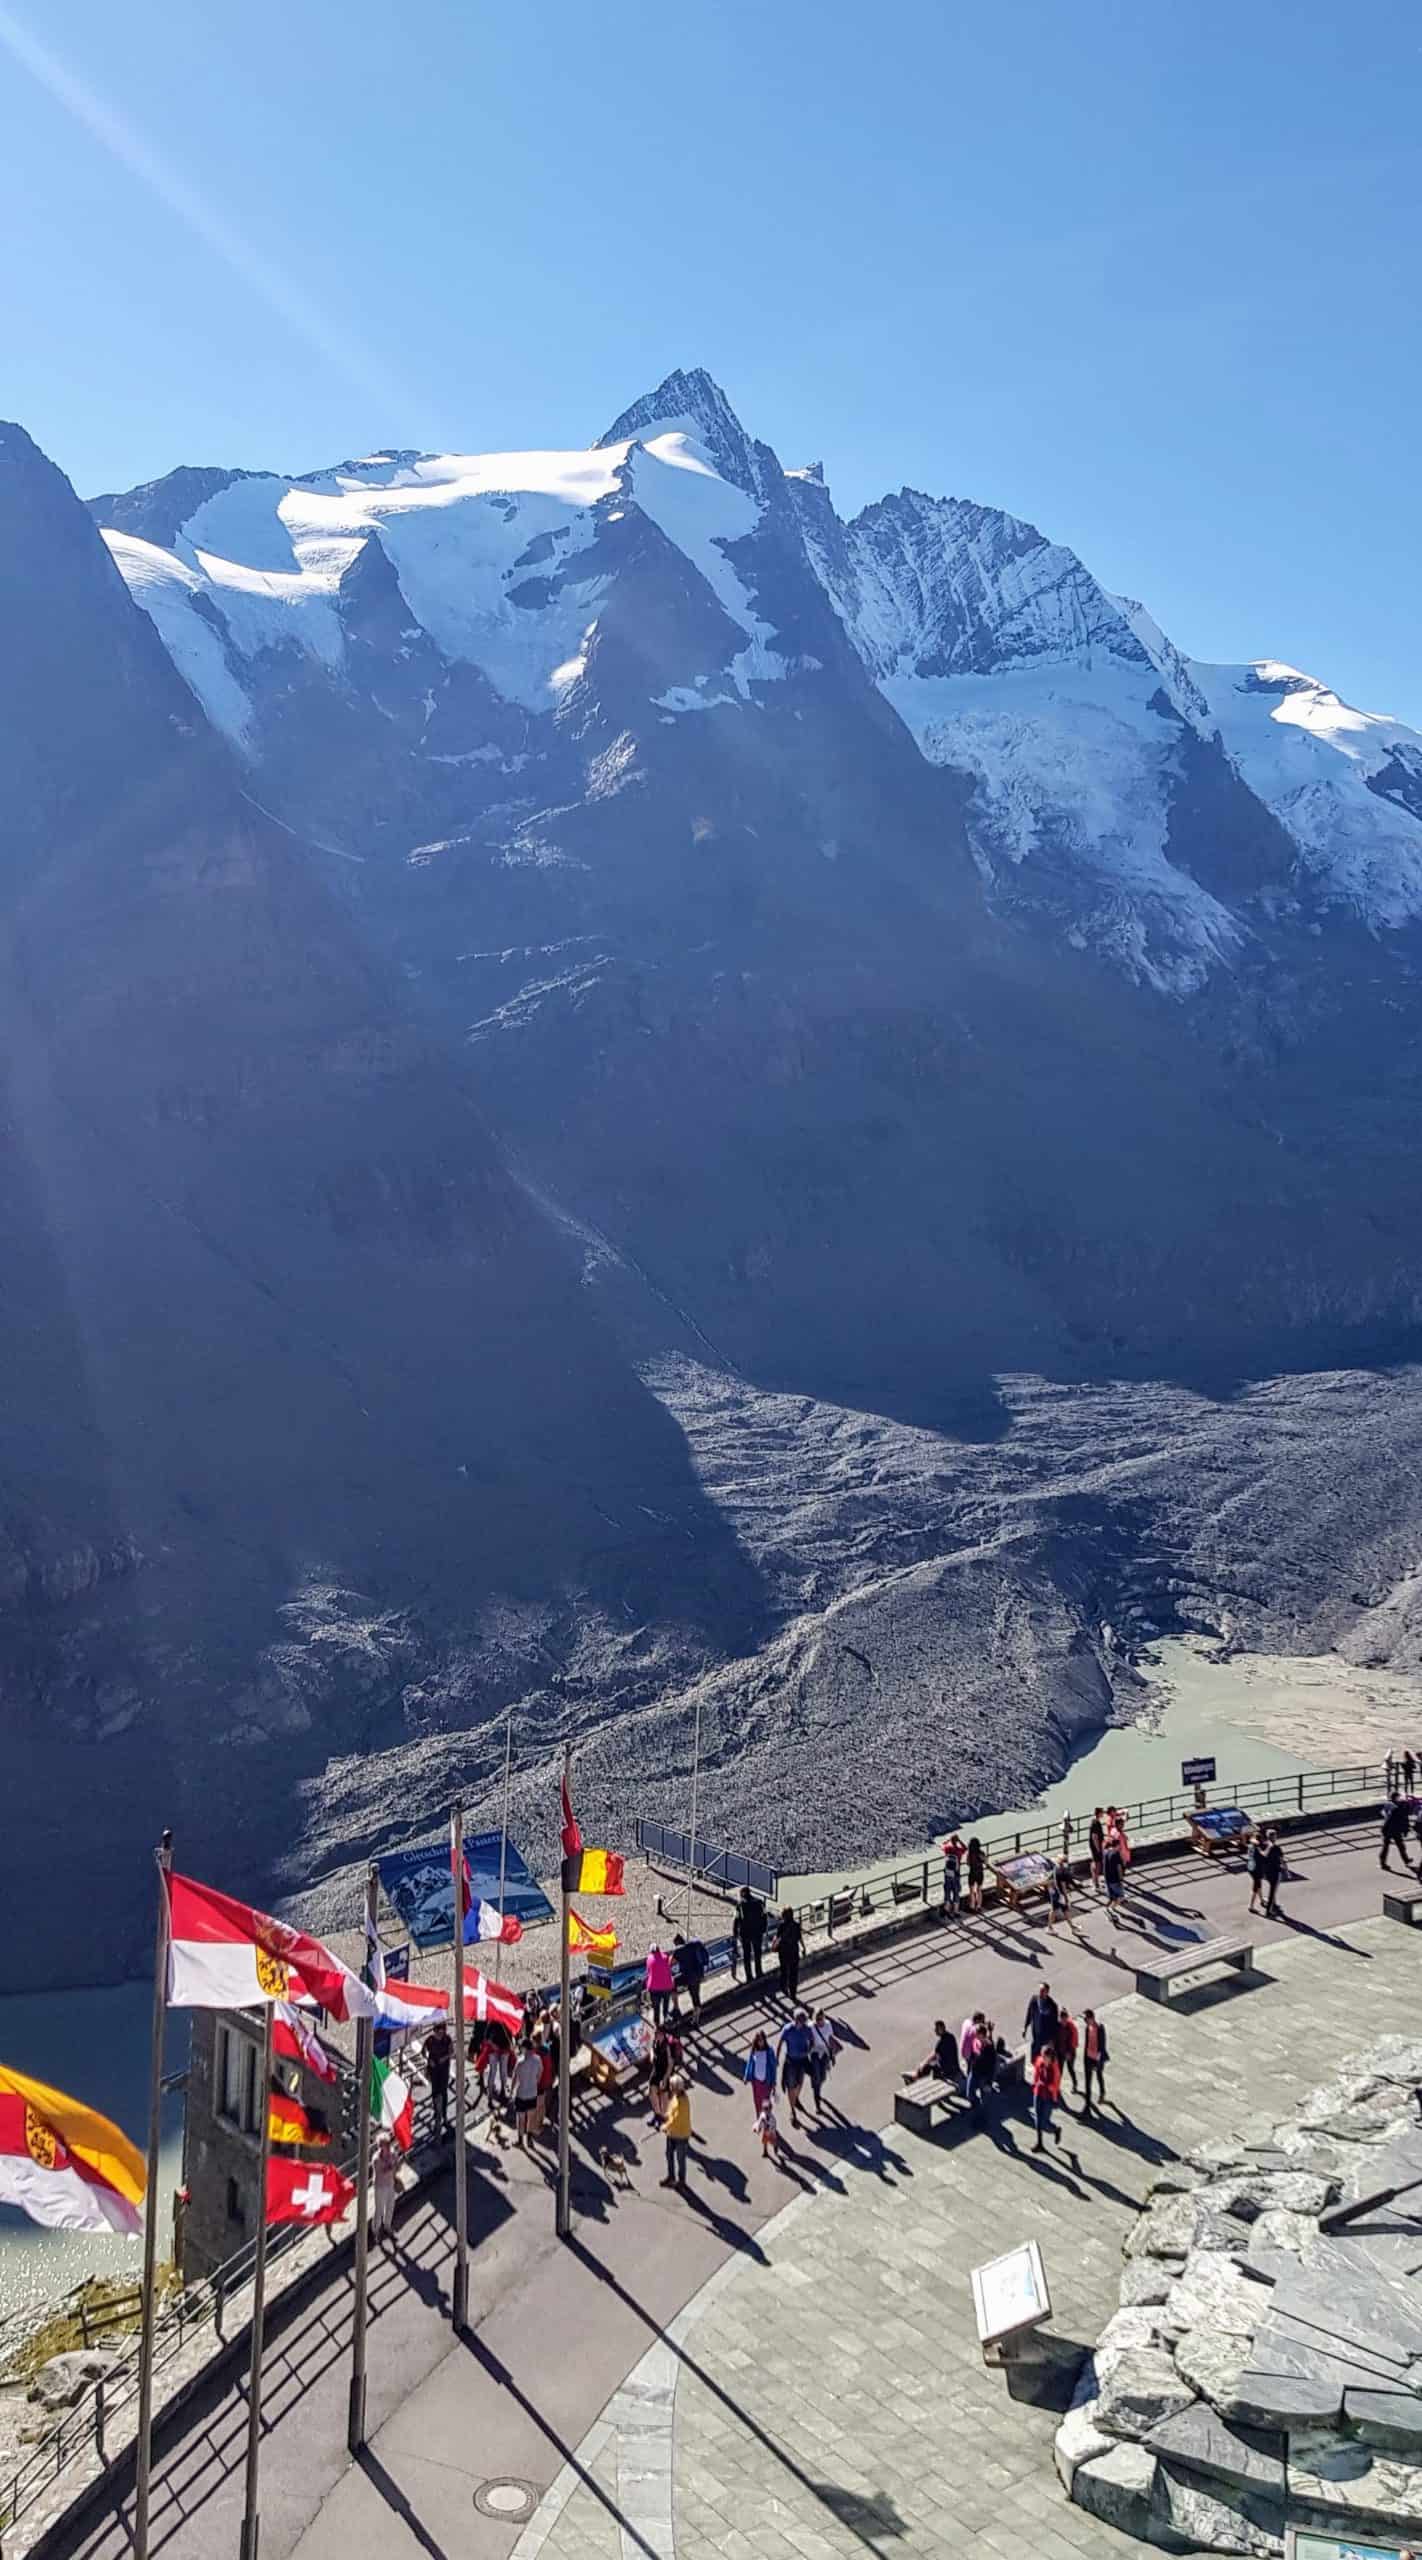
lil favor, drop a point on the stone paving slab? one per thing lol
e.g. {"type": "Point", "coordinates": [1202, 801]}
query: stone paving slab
{"type": "Point", "coordinates": [828, 2398]}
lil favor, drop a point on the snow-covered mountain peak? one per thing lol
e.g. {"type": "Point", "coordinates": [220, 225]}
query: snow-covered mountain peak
{"type": "Point", "coordinates": [693, 405]}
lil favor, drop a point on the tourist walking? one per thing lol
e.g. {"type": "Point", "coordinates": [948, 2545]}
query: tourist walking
{"type": "Point", "coordinates": [1394, 1832]}
{"type": "Point", "coordinates": [750, 1931]}
{"type": "Point", "coordinates": [665, 2058]}
{"type": "Point", "coordinates": [1256, 1868]}
{"type": "Point", "coordinates": [1068, 1828]}
{"type": "Point", "coordinates": [1059, 1893]}
{"type": "Point", "coordinates": [952, 1876]}
{"type": "Point", "coordinates": [1068, 2039]}
{"type": "Point", "coordinates": [690, 1960]}
{"type": "Point", "coordinates": [1096, 1845]}
{"type": "Point", "coordinates": [678, 2131]}
{"type": "Point", "coordinates": [1046, 2089]}
{"type": "Point", "coordinates": [1040, 2024]}
{"type": "Point", "coordinates": [527, 2086]}
{"type": "Point", "coordinates": [1273, 1872]}
{"type": "Point", "coordinates": [824, 2053]}
{"type": "Point", "coordinates": [796, 2045]}
{"type": "Point", "coordinates": [760, 2072]}
{"type": "Point", "coordinates": [1113, 1868]}
{"type": "Point", "coordinates": [981, 2065]}
{"type": "Point", "coordinates": [1095, 2055]}
{"type": "Point", "coordinates": [661, 1983]}
{"type": "Point", "coordinates": [439, 2062]}
{"type": "Point", "coordinates": [385, 2188]}
{"type": "Point", "coordinates": [789, 1947]}
{"type": "Point", "coordinates": [977, 1870]}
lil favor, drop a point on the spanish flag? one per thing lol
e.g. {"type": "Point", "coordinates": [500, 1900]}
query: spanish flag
{"type": "Point", "coordinates": [288, 2121]}
{"type": "Point", "coordinates": [593, 1871]}
{"type": "Point", "coordinates": [585, 1940]}
{"type": "Point", "coordinates": [64, 2165]}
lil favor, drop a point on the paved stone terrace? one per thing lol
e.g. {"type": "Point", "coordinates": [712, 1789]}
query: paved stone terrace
{"type": "Point", "coordinates": [860, 2378]}
{"type": "Point", "coordinates": [826, 2395]}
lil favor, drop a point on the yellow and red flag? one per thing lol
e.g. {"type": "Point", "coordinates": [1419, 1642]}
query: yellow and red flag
{"type": "Point", "coordinates": [288, 2121]}
{"type": "Point", "coordinates": [593, 1871]}
{"type": "Point", "coordinates": [63, 2164]}
{"type": "Point", "coordinates": [585, 1940]}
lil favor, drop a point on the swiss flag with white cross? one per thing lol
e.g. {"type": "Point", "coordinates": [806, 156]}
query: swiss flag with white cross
{"type": "Point", "coordinates": [298, 2193]}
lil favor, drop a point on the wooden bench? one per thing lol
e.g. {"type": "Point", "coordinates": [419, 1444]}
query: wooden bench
{"type": "Point", "coordinates": [1403, 1902]}
{"type": "Point", "coordinates": [1157, 1976]}
{"type": "Point", "coordinates": [918, 2101]}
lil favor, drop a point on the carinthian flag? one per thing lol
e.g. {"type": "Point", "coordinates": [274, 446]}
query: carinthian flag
{"type": "Point", "coordinates": [288, 2121]}
{"type": "Point", "coordinates": [593, 1871]}
{"type": "Point", "coordinates": [391, 2103]}
{"type": "Point", "coordinates": [293, 2041]}
{"type": "Point", "coordinates": [585, 1940]}
{"type": "Point", "coordinates": [224, 1955]}
{"type": "Point", "coordinates": [297, 2192]}
{"type": "Point", "coordinates": [484, 1999]}
{"type": "Point", "coordinates": [64, 2165]}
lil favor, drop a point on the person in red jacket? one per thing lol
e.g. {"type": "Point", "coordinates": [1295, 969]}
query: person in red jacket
{"type": "Point", "coordinates": [1068, 2039]}
{"type": "Point", "coordinates": [1046, 2089]}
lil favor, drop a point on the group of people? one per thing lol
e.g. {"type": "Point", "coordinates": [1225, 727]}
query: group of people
{"type": "Point", "coordinates": [1400, 1772]}
{"type": "Point", "coordinates": [749, 1931]}
{"type": "Point", "coordinates": [518, 2073]}
{"type": "Point", "coordinates": [1108, 1848]}
{"type": "Point", "coordinates": [805, 2049]}
{"type": "Point", "coordinates": [979, 2059]}
{"type": "Point", "coordinates": [1266, 1868]}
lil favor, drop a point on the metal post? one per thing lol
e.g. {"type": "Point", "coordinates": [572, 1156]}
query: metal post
{"type": "Point", "coordinates": [504, 1824]}
{"type": "Point", "coordinates": [695, 1786]}
{"type": "Point", "coordinates": [461, 2162]}
{"type": "Point", "coordinates": [564, 2215]}
{"type": "Point", "coordinates": [251, 2517]}
{"type": "Point", "coordinates": [365, 2059]}
{"type": "Point", "coordinates": [163, 1860]}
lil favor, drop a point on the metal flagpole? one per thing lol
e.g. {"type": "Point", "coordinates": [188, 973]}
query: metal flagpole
{"type": "Point", "coordinates": [695, 1782]}
{"type": "Point", "coordinates": [163, 1861]}
{"type": "Point", "coordinates": [251, 2519]}
{"type": "Point", "coordinates": [504, 1827]}
{"type": "Point", "coordinates": [461, 2159]}
{"type": "Point", "coordinates": [365, 2060]}
{"type": "Point", "coordinates": [564, 2221]}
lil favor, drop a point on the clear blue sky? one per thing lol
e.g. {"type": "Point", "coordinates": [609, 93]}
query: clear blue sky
{"type": "Point", "coordinates": [1147, 276]}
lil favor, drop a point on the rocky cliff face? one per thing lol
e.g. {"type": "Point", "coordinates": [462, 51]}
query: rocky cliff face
{"type": "Point", "coordinates": [487, 940]}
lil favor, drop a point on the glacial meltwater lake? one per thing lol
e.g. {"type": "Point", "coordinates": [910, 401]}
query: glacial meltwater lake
{"type": "Point", "coordinates": [1257, 1715]}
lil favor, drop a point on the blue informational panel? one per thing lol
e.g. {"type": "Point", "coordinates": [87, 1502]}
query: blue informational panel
{"type": "Point", "coordinates": [416, 1885]}
{"type": "Point", "coordinates": [1197, 1773]}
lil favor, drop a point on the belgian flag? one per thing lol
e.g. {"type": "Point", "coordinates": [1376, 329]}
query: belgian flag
{"type": "Point", "coordinates": [592, 1871]}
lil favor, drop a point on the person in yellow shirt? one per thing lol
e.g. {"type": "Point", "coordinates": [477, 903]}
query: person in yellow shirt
{"type": "Point", "coordinates": [677, 2127]}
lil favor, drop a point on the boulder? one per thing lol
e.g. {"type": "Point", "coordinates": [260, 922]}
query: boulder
{"type": "Point", "coordinates": [1146, 2280]}
{"type": "Point", "coordinates": [1280, 2242]}
{"type": "Point", "coordinates": [1078, 2440]}
{"type": "Point", "coordinates": [1284, 2391]}
{"type": "Point", "coordinates": [1211, 2361]}
{"type": "Point", "coordinates": [1166, 2231]}
{"type": "Point", "coordinates": [1214, 2293]}
{"type": "Point", "coordinates": [66, 2378]}
{"type": "Point", "coordinates": [1199, 2439]}
{"type": "Point", "coordinates": [1393, 2058]}
{"type": "Point", "coordinates": [1292, 2189]}
{"type": "Point", "coordinates": [1379, 2318]}
{"type": "Point", "coordinates": [1207, 2517]}
{"type": "Point", "coordinates": [1116, 2487]}
{"type": "Point", "coordinates": [1336, 2476]}
{"type": "Point", "coordinates": [1391, 2420]}
{"type": "Point", "coordinates": [1141, 2389]}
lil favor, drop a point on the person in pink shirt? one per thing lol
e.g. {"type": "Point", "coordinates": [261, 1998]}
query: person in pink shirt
{"type": "Point", "coordinates": [661, 1983]}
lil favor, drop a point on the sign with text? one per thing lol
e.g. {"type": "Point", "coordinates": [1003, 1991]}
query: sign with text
{"type": "Point", "coordinates": [1010, 2294]}
{"type": "Point", "coordinates": [1197, 1773]}
{"type": "Point", "coordinates": [416, 1884]}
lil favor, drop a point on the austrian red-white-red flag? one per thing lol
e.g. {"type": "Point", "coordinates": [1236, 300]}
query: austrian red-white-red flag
{"type": "Point", "coordinates": [298, 2193]}
{"type": "Point", "coordinates": [224, 1955]}
{"type": "Point", "coordinates": [484, 1999]}
{"type": "Point", "coordinates": [293, 2041]}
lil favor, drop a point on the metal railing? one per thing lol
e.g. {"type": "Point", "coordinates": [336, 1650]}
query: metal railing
{"type": "Point", "coordinates": [182, 2312]}
{"type": "Point", "coordinates": [713, 1866]}
{"type": "Point", "coordinates": [1150, 1818]}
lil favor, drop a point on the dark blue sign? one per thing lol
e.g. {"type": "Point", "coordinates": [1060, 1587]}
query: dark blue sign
{"type": "Point", "coordinates": [416, 1884]}
{"type": "Point", "coordinates": [1197, 1773]}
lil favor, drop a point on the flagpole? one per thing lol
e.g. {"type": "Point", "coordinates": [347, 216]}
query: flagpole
{"type": "Point", "coordinates": [163, 1861]}
{"type": "Point", "coordinates": [504, 1828]}
{"type": "Point", "coordinates": [695, 1783]}
{"type": "Point", "coordinates": [461, 2161]}
{"type": "Point", "coordinates": [251, 2519]}
{"type": "Point", "coordinates": [365, 2060]}
{"type": "Point", "coordinates": [564, 2219]}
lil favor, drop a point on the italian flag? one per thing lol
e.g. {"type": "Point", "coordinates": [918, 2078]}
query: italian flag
{"type": "Point", "coordinates": [391, 2103]}
{"type": "Point", "coordinates": [62, 2164]}
{"type": "Point", "coordinates": [224, 1955]}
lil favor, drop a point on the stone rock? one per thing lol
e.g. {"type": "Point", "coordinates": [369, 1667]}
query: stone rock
{"type": "Point", "coordinates": [1284, 2391]}
{"type": "Point", "coordinates": [1293, 2190]}
{"type": "Point", "coordinates": [1137, 2324]}
{"type": "Point", "coordinates": [1279, 2243]}
{"type": "Point", "coordinates": [1141, 2389]}
{"type": "Point", "coordinates": [1214, 2293]}
{"type": "Point", "coordinates": [1198, 2439]}
{"type": "Point", "coordinates": [1166, 2231]}
{"type": "Point", "coordinates": [1210, 2519]}
{"type": "Point", "coordinates": [1392, 2420]}
{"type": "Point", "coordinates": [1377, 2318]}
{"type": "Point", "coordinates": [65, 2378]}
{"type": "Point", "coordinates": [1212, 2361]}
{"type": "Point", "coordinates": [1215, 2154]}
{"type": "Point", "coordinates": [1177, 2178]}
{"type": "Point", "coordinates": [1116, 2487]}
{"type": "Point", "coordinates": [1078, 2440]}
{"type": "Point", "coordinates": [1394, 2058]}
{"type": "Point", "coordinates": [1146, 2280]}
{"type": "Point", "coordinates": [1336, 2476]}
{"type": "Point", "coordinates": [1335, 2098]}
